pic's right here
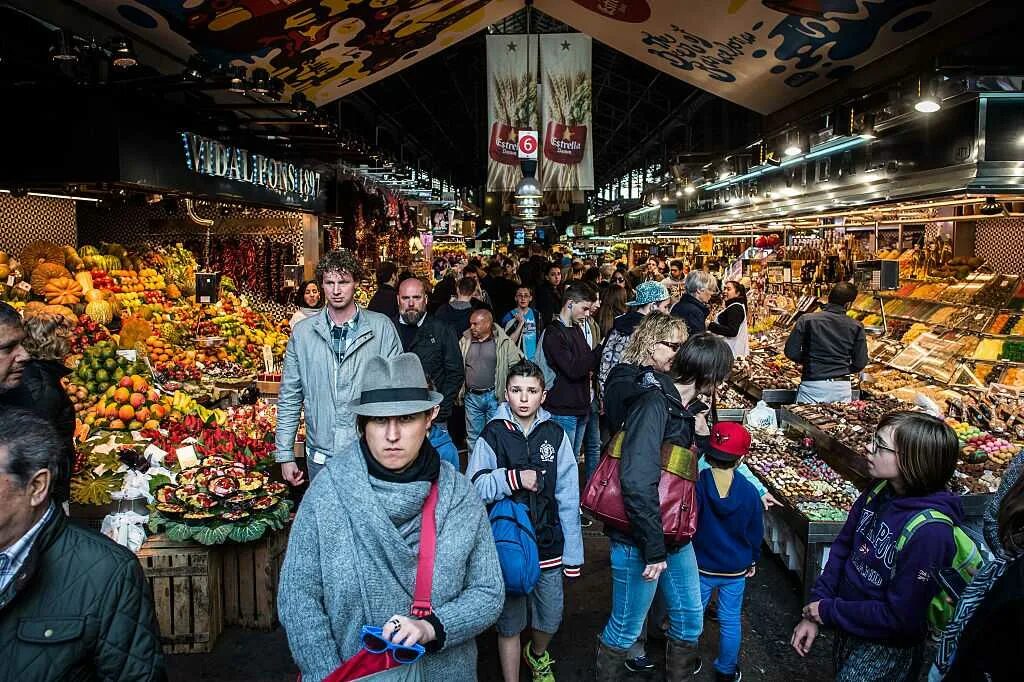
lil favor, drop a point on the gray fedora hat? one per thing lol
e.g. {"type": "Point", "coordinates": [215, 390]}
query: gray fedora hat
{"type": "Point", "coordinates": [393, 387]}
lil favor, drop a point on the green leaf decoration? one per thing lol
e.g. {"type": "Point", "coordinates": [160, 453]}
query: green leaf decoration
{"type": "Point", "coordinates": [178, 532]}
{"type": "Point", "coordinates": [158, 482]}
{"type": "Point", "coordinates": [155, 522]}
{"type": "Point", "coordinates": [248, 532]}
{"type": "Point", "coordinates": [216, 535]}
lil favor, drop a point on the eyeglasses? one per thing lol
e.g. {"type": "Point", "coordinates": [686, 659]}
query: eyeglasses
{"type": "Point", "coordinates": [374, 642]}
{"type": "Point", "coordinates": [876, 445]}
{"type": "Point", "coordinates": [618, 279]}
{"type": "Point", "coordinates": [674, 345]}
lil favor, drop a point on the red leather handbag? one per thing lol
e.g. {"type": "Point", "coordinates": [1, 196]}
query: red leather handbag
{"type": "Point", "coordinates": [365, 664]}
{"type": "Point", "coordinates": [602, 497]}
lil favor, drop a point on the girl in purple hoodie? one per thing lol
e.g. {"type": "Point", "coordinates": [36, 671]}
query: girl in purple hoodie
{"type": "Point", "coordinates": [875, 598]}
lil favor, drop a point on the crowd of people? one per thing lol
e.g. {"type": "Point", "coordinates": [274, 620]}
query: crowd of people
{"type": "Point", "coordinates": [460, 436]}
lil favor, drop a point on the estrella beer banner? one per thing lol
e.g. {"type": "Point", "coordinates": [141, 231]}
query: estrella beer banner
{"type": "Point", "coordinates": [568, 150]}
{"type": "Point", "coordinates": [511, 105]}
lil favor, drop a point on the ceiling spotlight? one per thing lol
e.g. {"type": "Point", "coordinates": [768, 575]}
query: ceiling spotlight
{"type": "Point", "coordinates": [664, 198]}
{"type": "Point", "coordinates": [63, 49]}
{"type": "Point", "coordinates": [655, 201]}
{"type": "Point", "coordinates": [679, 193]}
{"type": "Point", "coordinates": [121, 53]}
{"type": "Point", "coordinates": [792, 149]}
{"type": "Point", "coordinates": [795, 143]}
{"type": "Point", "coordinates": [867, 127]}
{"type": "Point", "coordinates": [260, 82]}
{"type": "Point", "coordinates": [301, 105]}
{"type": "Point", "coordinates": [991, 207]}
{"type": "Point", "coordinates": [237, 76]}
{"type": "Point", "coordinates": [689, 189]}
{"type": "Point", "coordinates": [927, 97]}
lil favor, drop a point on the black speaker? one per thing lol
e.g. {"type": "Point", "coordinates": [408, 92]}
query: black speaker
{"type": "Point", "coordinates": [207, 287]}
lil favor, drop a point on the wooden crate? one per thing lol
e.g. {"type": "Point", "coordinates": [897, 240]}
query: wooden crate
{"type": "Point", "coordinates": [251, 573]}
{"type": "Point", "coordinates": [186, 582]}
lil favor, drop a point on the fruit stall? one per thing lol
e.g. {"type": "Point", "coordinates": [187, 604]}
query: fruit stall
{"type": "Point", "coordinates": [174, 443]}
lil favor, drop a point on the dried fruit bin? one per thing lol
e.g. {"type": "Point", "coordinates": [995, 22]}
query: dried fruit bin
{"type": "Point", "coordinates": [186, 581]}
{"type": "Point", "coordinates": [251, 573]}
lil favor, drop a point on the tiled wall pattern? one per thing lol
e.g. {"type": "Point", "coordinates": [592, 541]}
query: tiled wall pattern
{"type": "Point", "coordinates": [1001, 243]}
{"type": "Point", "coordinates": [25, 219]}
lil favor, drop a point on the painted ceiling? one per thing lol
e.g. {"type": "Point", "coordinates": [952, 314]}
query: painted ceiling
{"type": "Point", "coordinates": [761, 54]}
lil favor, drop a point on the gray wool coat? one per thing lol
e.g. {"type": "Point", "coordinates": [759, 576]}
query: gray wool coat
{"type": "Point", "coordinates": [348, 565]}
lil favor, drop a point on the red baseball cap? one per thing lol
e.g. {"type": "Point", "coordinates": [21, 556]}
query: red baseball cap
{"type": "Point", "coordinates": [729, 441]}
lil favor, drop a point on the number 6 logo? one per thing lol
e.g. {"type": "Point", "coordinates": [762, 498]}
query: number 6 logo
{"type": "Point", "coordinates": [527, 144]}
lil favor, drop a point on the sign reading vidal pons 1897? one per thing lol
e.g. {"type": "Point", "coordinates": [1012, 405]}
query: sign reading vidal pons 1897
{"type": "Point", "coordinates": [210, 157]}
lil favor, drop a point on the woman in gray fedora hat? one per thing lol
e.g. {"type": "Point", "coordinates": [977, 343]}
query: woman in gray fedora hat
{"type": "Point", "coordinates": [354, 548]}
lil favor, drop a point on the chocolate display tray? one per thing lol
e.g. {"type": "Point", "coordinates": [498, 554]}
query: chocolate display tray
{"type": "Point", "coordinates": [853, 465]}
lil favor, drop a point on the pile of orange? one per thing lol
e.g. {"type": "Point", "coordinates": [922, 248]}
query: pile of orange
{"type": "Point", "coordinates": [158, 350]}
{"type": "Point", "coordinates": [130, 405]}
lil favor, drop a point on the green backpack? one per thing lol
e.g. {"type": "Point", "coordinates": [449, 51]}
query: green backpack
{"type": "Point", "coordinates": [966, 559]}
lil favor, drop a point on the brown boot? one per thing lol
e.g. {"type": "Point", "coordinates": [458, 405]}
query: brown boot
{"type": "Point", "coordinates": [611, 663]}
{"type": "Point", "coordinates": [681, 660]}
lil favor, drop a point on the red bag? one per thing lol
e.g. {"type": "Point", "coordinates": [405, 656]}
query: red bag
{"type": "Point", "coordinates": [602, 497]}
{"type": "Point", "coordinates": [365, 663]}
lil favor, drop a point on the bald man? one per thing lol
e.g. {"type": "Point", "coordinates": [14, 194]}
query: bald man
{"type": "Point", "coordinates": [487, 353]}
{"type": "Point", "coordinates": [433, 341]}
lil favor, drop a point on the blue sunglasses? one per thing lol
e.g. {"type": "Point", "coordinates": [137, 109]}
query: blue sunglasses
{"type": "Point", "coordinates": [374, 642]}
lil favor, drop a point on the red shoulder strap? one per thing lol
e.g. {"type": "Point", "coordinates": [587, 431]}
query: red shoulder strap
{"type": "Point", "coordinates": [421, 607]}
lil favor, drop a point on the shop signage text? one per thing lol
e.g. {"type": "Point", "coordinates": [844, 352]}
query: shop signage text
{"type": "Point", "coordinates": [210, 157]}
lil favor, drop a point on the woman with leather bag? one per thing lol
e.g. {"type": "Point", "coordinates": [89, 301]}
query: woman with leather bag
{"type": "Point", "coordinates": [644, 406]}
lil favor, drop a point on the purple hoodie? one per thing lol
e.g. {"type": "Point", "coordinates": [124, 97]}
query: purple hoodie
{"type": "Point", "coordinates": [860, 592]}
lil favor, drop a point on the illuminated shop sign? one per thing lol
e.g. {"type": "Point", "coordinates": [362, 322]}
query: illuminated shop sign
{"type": "Point", "coordinates": [210, 157]}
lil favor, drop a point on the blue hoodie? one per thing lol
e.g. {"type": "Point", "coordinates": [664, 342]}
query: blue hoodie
{"type": "Point", "coordinates": [869, 590]}
{"type": "Point", "coordinates": [442, 442]}
{"type": "Point", "coordinates": [730, 528]}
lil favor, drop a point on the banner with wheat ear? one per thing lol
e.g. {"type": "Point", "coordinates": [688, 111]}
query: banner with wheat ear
{"type": "Point", "coordinates": [568, 162]}
{"type": "Point", "coordinates": [511, 105]}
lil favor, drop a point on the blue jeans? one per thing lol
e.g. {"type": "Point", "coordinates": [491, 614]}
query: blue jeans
{"type": "Point", "coordinates": [824, 392]}
{"type": "Point", "coordinates": [480, 409]}
{"type": "Point", "coordinates": [730, 604]}
{"type": "Point", "coordinates": [574, 426]}
{"type": "Point", "coordinates": [592, 441]}
{"type": "Point", "coordinates": [632, 596]}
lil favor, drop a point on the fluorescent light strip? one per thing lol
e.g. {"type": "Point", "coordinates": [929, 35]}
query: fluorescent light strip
{"type": "Point", "coordinates": [55, 196]}
{"type": "Point", "coordinates": [822, 150]}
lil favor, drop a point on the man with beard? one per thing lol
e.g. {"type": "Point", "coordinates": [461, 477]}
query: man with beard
{"type": "Point", "coordinates": [433, 341]}
{"type": "Point", "coordinates": [323, 368]}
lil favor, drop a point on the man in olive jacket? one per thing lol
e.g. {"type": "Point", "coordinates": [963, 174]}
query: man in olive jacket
{"type": "Point", "coordinates": [73, 604]}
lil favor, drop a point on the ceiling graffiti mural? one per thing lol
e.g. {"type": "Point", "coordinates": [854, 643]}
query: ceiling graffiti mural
{"type": "Point", "coordinates": [761, 54]}
{"type": "Point", "coordinates": [322, 48]}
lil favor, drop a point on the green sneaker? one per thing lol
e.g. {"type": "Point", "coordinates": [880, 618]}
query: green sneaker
{"type": "Point", "coordinates": [540, 667]}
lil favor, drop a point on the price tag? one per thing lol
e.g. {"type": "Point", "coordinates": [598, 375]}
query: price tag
{"type": "Point", "coordinates": [10, 280]}
{"type": "Point", "coordinates": [24, 287]}
{"type": "Point", "coordinates": [187, 457]}
{"type": "Point", "coordinates": [128, 354]}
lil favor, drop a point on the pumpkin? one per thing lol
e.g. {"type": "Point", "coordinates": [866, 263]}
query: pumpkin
{"type": "Point", "coordinates": [5, 270]}
{"type": "Point", "coordinates": [33, 307]}
{"type": "Point", "coordinates": [88, 250]}
{"type": "Point", "coordinates": [41, 252]}
{"type": "Point", "coordinates": [62, 291]}
{"type": "Point", "coordinates": [84, 279]}
{"type": "Point", "coordinates": [93, 295]}
{"type": "Point", "coordinates": [62, 310]}
{"type": "Point", "coordinates": [44, 272]}
{"type": "Point", "coordinates": [100, 310]}
{"type": "Point", "coordinates": [4, 258]}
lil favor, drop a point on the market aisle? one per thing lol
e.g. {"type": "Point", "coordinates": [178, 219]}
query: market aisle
{"type": "Point", "coordinates": [769, 615]}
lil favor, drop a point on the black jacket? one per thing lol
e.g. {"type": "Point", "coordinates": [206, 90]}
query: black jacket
{"type": "Point", "coordinates": [693, 312]}
{"type": "Point", "coordinates": [646, 404]}
{"type": "Point", "coordinates": [574, 362]}
{"type": "Point", "coordinates": [79, 609]}
{"type": "Point", "coordinates": [503, 295]}
{"type": "Point", "coordinates": [458, 318]}
{"type": "Point", "coordinates": [991, 643]}
{"type": "Point", "coordinates": [549, 301]}
{"type": "Point", "coordinates": [828, 343]}
{"type": "Point", "coordinates": [41, 393]}
{"type": "Point", "coordinates": [729, 322]}
{"type": "Point", "coordinates": [437, 347]}
{"type": "Point", "coordinates": [385, 301]}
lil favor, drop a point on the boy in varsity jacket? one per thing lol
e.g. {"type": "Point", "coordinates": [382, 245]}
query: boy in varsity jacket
{"type": "Point", "coordinates": [522, 453]}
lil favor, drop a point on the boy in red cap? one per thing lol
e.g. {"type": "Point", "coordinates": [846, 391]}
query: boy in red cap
{"type": "Point", "coordinates": [728, 538]}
